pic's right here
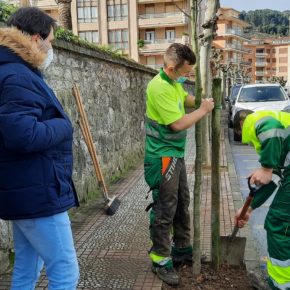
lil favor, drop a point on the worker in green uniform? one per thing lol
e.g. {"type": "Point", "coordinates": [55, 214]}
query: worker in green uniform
{"type": "Point", "coordinates": [269, 132]}
{"type": "Point", "coordinates": [165, 173]}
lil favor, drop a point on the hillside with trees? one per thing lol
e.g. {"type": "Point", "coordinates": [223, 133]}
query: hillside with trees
{"type": "Point", "coordinates": [267, 21]}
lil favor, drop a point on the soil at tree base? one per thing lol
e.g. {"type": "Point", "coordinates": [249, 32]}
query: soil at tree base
{"type": "Point", "coordinates": [225, 279]}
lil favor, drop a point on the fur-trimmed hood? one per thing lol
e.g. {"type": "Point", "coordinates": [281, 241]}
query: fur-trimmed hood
{"type": "Point", "coordinates": [21, 45]}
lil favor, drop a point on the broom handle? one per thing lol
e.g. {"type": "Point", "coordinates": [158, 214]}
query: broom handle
{"type": "Point", "coordinates": [89, 148]}
{"type": "Point", "coordinates": [89, 140]}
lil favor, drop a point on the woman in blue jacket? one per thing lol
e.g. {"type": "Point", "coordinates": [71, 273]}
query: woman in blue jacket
{"type": "Point", "coordinates": [36, 187]}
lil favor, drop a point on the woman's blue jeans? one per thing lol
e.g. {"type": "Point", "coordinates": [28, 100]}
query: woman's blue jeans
{"type": "Point", "coordinates": [44, 241]}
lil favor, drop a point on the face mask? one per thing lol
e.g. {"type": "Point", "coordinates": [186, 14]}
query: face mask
{"type": "Point", "coordinates": [181, 80]}
{"type": "Point", "coordinates": [49, 58]}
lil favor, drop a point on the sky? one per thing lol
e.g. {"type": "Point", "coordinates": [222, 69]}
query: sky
{"type": "Point", "coordinates": [247, 5]}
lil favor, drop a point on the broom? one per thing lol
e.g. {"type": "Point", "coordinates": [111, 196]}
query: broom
{"type": "Point", "coordinates": [112, 204]}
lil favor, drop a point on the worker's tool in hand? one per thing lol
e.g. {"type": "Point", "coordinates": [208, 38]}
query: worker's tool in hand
{"type": "Point", "coordinates": [112, 204]}
{"type": "Point", "coordinates": [232, 247]}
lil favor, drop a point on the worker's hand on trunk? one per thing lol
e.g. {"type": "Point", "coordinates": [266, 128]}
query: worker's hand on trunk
{"type": "Point", "coordinates": [242, 222]}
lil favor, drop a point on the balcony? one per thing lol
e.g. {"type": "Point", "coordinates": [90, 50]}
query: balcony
{"type": "Point", "coordinates": [260, 73]}
{"type": "Point", "coordinates": [235, 32]}
{"type": "Point", "coordinates": [154, 66]}
{"type": "Point", "coordinates": [261, 54]}
{"type": "Point", "coordinates": [260, 64]}
{"type": "Point", "coordinates": [44, 4]}
{"type": "Point", "coordinates": [233, 60]}
{"type": "Point", "coordinates": [246, 63]}
{"type": "Point", "coordinates": [152, 1]}
{"type": "Point", "coordinates": [162, 20]}
{"type": "Point", "coordinates": [231, 46]}
{"type": "Point", "coordinates": [158, 45]}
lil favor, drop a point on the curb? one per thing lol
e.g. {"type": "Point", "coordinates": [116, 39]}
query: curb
{"type": "Point", "coordinates": [256, 275]}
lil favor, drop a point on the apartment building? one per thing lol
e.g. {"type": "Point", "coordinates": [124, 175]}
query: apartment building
{"type": "Point", "coordinates": [231, 38]}
{"type": "Point", "coordinates": [141, 29]}
{"type": "Point", "coordinates": [269, 58]}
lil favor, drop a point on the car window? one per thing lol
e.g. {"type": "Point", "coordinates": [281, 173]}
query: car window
{"type": "Point", "coordinates": [234, 92]}
{"type": "Point", "coordinates": [261, 94]}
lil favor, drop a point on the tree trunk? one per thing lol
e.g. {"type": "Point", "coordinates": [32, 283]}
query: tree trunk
{"type": "Point", "coordinates": [205, 72]}
{"type": "Point", "coordinates": [64, 13]}
{"type": "Point", "coordinates": [196, 266]}
{"type": "Point", "coordinates": [215, 175]}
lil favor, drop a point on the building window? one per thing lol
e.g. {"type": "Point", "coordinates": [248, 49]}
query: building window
{"type": "Point", "coordinates": [91, 36]}
{"type": "Point", "coordinates": [283, 50]}
{"type": "Point", "coordinates": [283, 60]}
{"type": "Point", "coordinates": [259, 50]}
{"type": "Point", "coordinates": [283, 69]}
{"type": "Point", "coordinates": [118, 39]}
{"type": "Point", "coordinates": [150, 36]}
{"type": "Point", "coordinates": [87, 11]}
{"type": "Point", "coordinates": [149, 8]}
{"type": "Point", "coordinates": [170, 34]}
{"type": "Point", "coordinates": [117, 12]}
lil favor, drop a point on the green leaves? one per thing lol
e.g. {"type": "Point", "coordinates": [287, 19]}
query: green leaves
{"type": "Point", "coordinates": [67, 35]}
{"type": "Point", "coordinates": [6, 10]}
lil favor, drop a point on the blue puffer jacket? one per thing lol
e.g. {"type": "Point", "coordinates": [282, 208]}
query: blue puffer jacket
{"type": "Point", "coordinates": [35, 136]}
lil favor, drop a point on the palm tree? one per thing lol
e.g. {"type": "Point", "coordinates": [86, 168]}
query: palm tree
{"type": "Point", "coordinates": [64, 11]}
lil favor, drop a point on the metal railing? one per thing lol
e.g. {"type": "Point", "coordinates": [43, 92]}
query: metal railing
{"type": "Point", "coordinates": [260, 73]}
{"type": "Point", "coordinates": [260, 63]}
{"type": "Point", "coordinates": [162, 40]}
{"type": "Point", "coordinates": [161, 15]}
{"type": "Point", "coordinates": [236, 32]}
{"type": "Point", "coordinates": [154, 66]}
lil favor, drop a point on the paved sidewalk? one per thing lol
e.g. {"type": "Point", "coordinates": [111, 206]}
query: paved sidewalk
{"type": "Point", "coordinates": [112, 250]}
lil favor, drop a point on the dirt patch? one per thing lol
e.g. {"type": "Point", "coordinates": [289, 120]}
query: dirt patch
{"type": "Point", "coordinates": [227, 278]}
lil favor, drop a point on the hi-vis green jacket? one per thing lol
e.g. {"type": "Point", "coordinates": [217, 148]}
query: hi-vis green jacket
{"type": "Point", "coordinates": [269, 132]}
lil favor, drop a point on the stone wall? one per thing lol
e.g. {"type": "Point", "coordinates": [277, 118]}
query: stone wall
{"type": "Point", "coordinates": [113, 91]}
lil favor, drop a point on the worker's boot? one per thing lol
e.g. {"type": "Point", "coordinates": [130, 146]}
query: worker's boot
{"type": "Point", "coordinates": [166, 273]}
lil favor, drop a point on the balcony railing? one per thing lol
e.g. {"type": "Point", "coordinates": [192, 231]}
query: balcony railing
{"type": "Point", "coordinates": [233, 60]}
{"type": "Point", "coordinates": [261, 54]}
{"type": "Point", "coordinates": [162, 40]}
{"type": "Point", "coordinates": [236, 32]}
{"type": "Point", "coordinates": [260, 73]}
{"type": "Point", "coordinates": [261, 63]}
{"type": "Point", "coordinates": [237, 47]}
{"type": "Point", "coordinates": [158, 45]}
{"type": "Point", "coordinates": [246, 63]}
{"type": "Point", "coordinates": [155, 66]}
{"type": "Point", "coordinates": [162, 19]}
{"type": "Point", "coordinates": [160, 15]}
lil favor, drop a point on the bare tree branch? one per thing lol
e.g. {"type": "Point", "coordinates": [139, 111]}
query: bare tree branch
{"type": "Point", "coordinates": [180, 9]}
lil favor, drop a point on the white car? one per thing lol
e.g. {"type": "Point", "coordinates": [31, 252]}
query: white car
{"type": "Point", "coordinates": [257, 97]}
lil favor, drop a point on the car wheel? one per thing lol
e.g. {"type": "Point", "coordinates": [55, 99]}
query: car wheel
{"type": "Point", "coordinates": [230, 122]}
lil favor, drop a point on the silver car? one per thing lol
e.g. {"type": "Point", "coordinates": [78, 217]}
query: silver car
{"type": "Point", "coordinates": [257, 97]}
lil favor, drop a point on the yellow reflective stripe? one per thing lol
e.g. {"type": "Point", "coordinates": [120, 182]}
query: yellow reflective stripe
{"type": "Point", "coordinates": [279, 275]}
{"type": "Point", "coordinates": [160, 260]}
